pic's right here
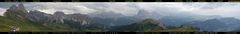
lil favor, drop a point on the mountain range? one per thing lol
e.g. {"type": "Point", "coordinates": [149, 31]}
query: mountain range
{"type": "Point", "coordinates": [17, 17]}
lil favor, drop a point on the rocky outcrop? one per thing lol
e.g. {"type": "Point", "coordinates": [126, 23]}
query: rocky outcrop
{"type": "Point", "coordinates": [57, 17]}
{"type": "Point", "coordinates": [82, 19]}
{"type": "Point", "coordinates": [152, 22]}
{"type": "Point", "coordinates": [16, 12]}
{"type": "Point", "coordinates": [38, 16]}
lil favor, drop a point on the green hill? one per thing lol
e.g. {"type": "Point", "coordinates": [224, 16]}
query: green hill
{"type": "Point", "coordinates": [150, 25]}
{"type": "Point", "coordinates": [7, 23]}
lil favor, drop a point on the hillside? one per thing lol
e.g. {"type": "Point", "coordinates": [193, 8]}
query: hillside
{"type": "Point", "coordinates": [151, 25]}
{"type": "Point", "coordinates": [7, 24]}
{"type": "Point", "coordinates": [17, 18]}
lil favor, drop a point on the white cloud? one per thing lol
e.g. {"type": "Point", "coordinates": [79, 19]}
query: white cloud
{"type": "Point", "coordinates": [2, 11]}
{"type": "Point", "coordinates": [223, 9]}
{"type": "Point", "coordinates": [83, 8]}
{"type": "Point", "coordinates": [229, 9]}
{"type": "Point", "coordinates": [68, 8]}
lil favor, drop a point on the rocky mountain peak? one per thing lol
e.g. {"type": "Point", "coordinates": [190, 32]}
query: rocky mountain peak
{"type": "Point", "coordinates": [37, 16]}
{"type": "Point", "coordinates": [16, 11]}
{"type": "Point", "coordinates": [59, 13]}
{"type": "Point", "coordinates": [21, 6]}
{"type": "Point", "coordinates": [57, 17]}
{"type": "Point", "coordinates": [150, 21]}
{"type": "Point", "coordinates": [13, 7]}
{"type": "Point", "coordinates": [34, 11]}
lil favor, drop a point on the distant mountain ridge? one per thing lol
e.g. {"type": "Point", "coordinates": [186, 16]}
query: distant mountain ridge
{"type": "Point", "coordinates": [110, 21]}
{"type": "Point", "coordinates": [219, 25]}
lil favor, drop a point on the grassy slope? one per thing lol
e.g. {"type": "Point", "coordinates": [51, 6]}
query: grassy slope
{"type": "Point", "coordinates": [6, 23]}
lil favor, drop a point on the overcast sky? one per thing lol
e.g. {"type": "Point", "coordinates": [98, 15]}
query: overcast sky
{"type": "Point", "coordinates": [228, 9]}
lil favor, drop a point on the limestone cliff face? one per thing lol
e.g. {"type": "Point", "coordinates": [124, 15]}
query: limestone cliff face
{"type": "Point", "coordinates": [57, 17]}
{"type": "Point", "coordinates": [16, 12]}
{"type": "Point", "coordinates": [37, 16]}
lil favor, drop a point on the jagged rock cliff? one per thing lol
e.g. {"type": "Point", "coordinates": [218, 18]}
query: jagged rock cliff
{"type": "Point", "coordinates": [16, 12]}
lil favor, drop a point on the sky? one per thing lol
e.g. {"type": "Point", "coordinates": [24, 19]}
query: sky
{"type": "Point", "coordinates": [227, 9]}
